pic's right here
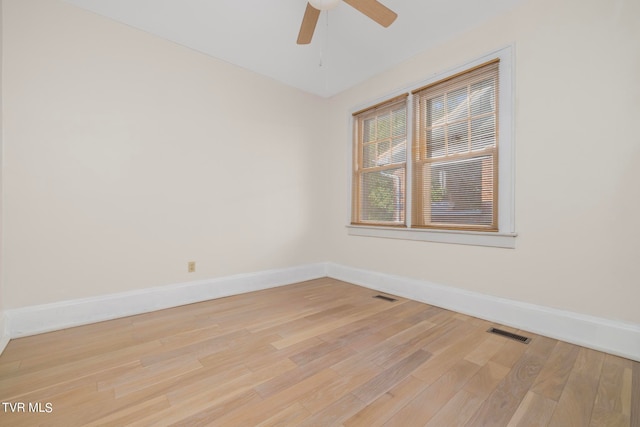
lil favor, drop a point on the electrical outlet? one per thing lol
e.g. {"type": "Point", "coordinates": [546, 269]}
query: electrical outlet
{"type": "Point", "coordinates": [191, 266]}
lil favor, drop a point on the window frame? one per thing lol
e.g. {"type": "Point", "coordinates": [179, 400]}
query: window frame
{"type": "Point", "coordinates": [420, 144]}
{"type": "Point", "coordinates": [505, 234]}
{"type": "Point", "coordinates": [359, 169]}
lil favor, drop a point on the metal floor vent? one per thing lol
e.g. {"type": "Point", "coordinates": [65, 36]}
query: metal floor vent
{"type": "Point", "coordinates": [386, 298]}
{"type": "Point", "coordinates": [510, 335]}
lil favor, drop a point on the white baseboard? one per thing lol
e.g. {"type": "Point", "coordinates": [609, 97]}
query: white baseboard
{"type": "Point", "coordinates": [615, 337]}
{"type": "Point", "coordinates": [619, 338]}
{"type": "Point", "coordinates": [66, 314]}
{"type": "Point", "coordinates": [5, 334]}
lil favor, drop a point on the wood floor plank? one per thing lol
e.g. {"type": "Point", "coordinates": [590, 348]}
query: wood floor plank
{"type": "Point", "coordinates": [77, 404]}
{"type": "Point", "coordinates": [456, 411]}
{"type": "Point", "coordinates": [335, 413]}
{"type": "Point", "coordinates": [110, 341]}
{"type": "Point", "coordinates": [627, 389]}
{"type": "Point", "coordinates": [576, 402]}
{"type": "Point", "coordinates": [150, 375]}
{"type": "Point", "coordinates": [335, 323]}
{"type": "Point", "coordinates": [183, 396]}
{"type": "Point", "coordinates": [402, 345]}
{"type": "Point", "coordinates": [228, 382]}
{"type": "Point", "coordinates": [467, 340]}
{"type": "Point", "coordinates": [215, 409]}
{"type": "Point", "coordinates": [614, 388]}
{"type": "Point", "coordinates": [485, 351]}
{"type": "Point", "coordinates": [635, 395]}
{"type": "Point", "coordinates": [16, 386]}
{"type": "Point", "coordinates": [25, 347]}
{"type": "Point", "coordinates": [276, 403]}
{"type": "Point", "coordinates": [245, 348]}
{"type": "Point", "coordinates": [131, 413]}
{"type": "Point", "coordinates": [384, 381]}
{"type": "Point", "coordinates": [291, 416]}
{"type": "Point", "coordinates": [314, 353]}
{"type": "Point", "coordinates": [9, 368]}
{"type": "Point", "coordinates": [383, 352]}
{"type": "Point", "coordinates": [336, 389]}
{"type": "Point", "coordinates": [207, 399]}
{"type": "Point", "coordinates": [446, 340]}
{"type": "Point", "coordinates": [509, 353]}
{"type": "Point", "coordinates": [502, 403]}
{"type": "Point", "coordinates": [534, 411]}
{"type": "Point", "coordinates": [386, 406]}
{"type": "Point", "coordinates": [198, 349]}
{"type": "Point", "coordinates": [321, 352]}
{"type": "Point", "coordinates": [51, 392]}
{"type": "Point", "coordinates": [293, 376]}
{"type": "Point", "coordinates": [193, 383]}
{"type": "Point", "coordinates": [429, 402]}
{"type": "Point", "coordinates": [267, 358]}
{"type": "Point", "coordinates": [555, 373]}
{"type": "Point", "coordinates": [486, 379]}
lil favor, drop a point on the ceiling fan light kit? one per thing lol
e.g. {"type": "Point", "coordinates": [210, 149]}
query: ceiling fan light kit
{"type": "Point", "coordinates": [371, 8]}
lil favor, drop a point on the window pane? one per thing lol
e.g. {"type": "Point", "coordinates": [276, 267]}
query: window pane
{"type": "Point", "coordinates": [458, 138]}
{"type": "Point", "coordinates": [435, 111]}
{"type": "Point", "coordinates": [483, 98]}
{"type": "Point", "coordinates": [369, 130]}
{"type": "Point", "coordinates": [384, 126]}
{"type": "Point", "coordinates": [435, 142]}
{"type": "Point", "coordinates": [382, 196]}
{"type": "Point", "coordinates": [399, 150]}
{"type": "Point", "coordinates": [461, 192]}
{"type": "Point", "coordinates": [384, 153]}
{"type": "Point", "coordinates": [369, 156]}
{"type": "Point", "coordinates": [483, 132]}
{"type": "Point", "coordinates": [399, 122]}
{"type": "Point", "coordinates": [457, 105]}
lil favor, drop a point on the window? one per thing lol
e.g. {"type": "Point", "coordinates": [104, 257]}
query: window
{"type": "Point", "coordinates": [436, 163]}
{"type": "Point", "coordinates": [380, 159]}
{"type": "Point", "coordinates": [455, 151]}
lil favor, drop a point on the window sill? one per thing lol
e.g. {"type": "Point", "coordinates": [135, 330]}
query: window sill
{"type": "Point", "coordinates": [473, 238]}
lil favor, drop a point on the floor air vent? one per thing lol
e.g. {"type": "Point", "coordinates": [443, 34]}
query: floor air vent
{"type": "Point", "coordinates": [386, 298]}
{"type": "Point", "coordinates": [510, 335]}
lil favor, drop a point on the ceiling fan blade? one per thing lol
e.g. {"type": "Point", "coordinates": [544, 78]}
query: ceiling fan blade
{"type": "Point", "coordinates": [374, 10]}
{"type": "Point", "coordinates": [308, 26]}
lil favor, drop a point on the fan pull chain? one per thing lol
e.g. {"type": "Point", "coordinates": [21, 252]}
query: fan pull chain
{"type": "Point", "coordinates": [325, 39]}
{"type": "Point", "coordinates": [325, 52]}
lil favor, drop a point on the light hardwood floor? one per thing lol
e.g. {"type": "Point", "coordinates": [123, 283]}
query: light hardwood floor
{"type": "Point", "coordinates": [318, 353]}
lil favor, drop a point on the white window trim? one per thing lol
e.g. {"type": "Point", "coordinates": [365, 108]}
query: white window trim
{"type": "Point", "coordinates": [505, 236]}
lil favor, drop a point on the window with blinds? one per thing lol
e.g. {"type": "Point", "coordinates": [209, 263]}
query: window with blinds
{"type": "Point", "coordinates": [379, 164]}
{"type": "Point", "coordinates": [437, 163]}
{"type": "Point", "coordinates": [455, 151]}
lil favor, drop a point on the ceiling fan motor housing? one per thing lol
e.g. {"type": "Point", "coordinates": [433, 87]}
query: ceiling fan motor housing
{"type": "Point", "coordinates": [324, 4]}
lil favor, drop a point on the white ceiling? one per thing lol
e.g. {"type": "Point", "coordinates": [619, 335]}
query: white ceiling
{"type": "Point", "coordinates": [260, 35]}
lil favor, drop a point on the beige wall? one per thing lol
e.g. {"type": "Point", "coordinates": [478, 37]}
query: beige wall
{"type": "Point", "coordinates": [128, 156]}
{"type": "Point", "coordinates": [2, 320]}
{"type": "Point", "coordinates": [577, 155]}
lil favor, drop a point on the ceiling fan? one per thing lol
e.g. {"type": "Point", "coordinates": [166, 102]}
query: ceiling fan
{"type": "Point", "coordinates": [371, 8]}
